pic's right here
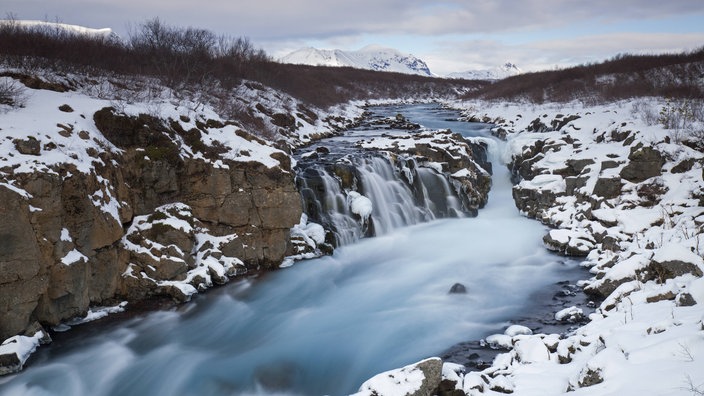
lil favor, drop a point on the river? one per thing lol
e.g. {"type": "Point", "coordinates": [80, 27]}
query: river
{"type": "Point", "coordinates": [322, 326]}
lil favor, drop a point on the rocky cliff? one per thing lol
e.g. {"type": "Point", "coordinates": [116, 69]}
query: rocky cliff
{"type": "Point", "coordinates": [101, 205]}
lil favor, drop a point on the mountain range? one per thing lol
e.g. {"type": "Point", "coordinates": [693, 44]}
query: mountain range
{"type": "Point", "coordinates": [508, 69]}
{"type": "Point", "coordinates": [375, 57]}
{"type": "Point", "coordinates": [371, 57]}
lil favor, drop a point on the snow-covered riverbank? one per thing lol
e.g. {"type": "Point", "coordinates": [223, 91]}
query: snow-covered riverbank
{"type": "Point", "coordinates": [621, 189]}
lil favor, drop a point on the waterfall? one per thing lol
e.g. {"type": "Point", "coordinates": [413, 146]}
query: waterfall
{"type": "Point", "coordinates": [399, 190]}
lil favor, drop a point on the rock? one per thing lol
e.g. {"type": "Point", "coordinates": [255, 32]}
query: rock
{"type": "Point", "coordinates": [609, 164]}
{"type": "Point", "coordinates": [419, 379]}
{"type": "Point", "coordinates": [603, 288]}
{"type": "Point", "coordinates": [590, 377]}
{"type": "Point", "coordinates": [9, 363]}
{"type": "Point", "coordinates": [574, 183]}
{"type": "Point", "coordinates": [29, 146]}
{"type": "Point", "coordinates": [669, 295]}
{"type": "Point", "coordinates": [684, 166]}
{"type": "Point", "coordinates": [568, 243]}
{"type": "Point", "coordinates": [685, 300]}
{"type": "Point", "coordinates": [15, 351]}
{"type": "Point", "coordinates": [673, 260]}
{"type": "Point", "coordinates": [644, 163]}
{"type": "Point", "coordinates": [458, 288]}
{"type": "Point", "coordinates": [577, 166]}
{"type": "Point", "coordinates": [21, 280]}
{"type": "Point", "coordinates": [570, 315]}
{"type": "Point", "coordinates": [608, 187]}
{"type": "Point", "coordinates": [448, 388]}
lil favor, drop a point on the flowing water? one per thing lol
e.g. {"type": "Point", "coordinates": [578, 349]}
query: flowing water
{"type": "Point", "coordinates": [326, 325]}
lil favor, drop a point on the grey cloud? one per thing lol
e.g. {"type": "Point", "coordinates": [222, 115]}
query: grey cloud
{"type": "Point", "coordinates": [269, 19]}
{"type": "Point", "coordinates": [548, 54]}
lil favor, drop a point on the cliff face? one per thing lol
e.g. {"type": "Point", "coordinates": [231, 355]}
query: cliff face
{"type": "Point", "coordinates": [134, 206]}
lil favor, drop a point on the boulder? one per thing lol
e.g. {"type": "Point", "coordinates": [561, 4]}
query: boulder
{"type": "Point", "coordinates": [568, 242]}
{"type": "Point", "coordinates": [644, 163]}
{"type": "Point", "coordinates": [608, 187]}
{"type": "Point", "coordinates": [29, 146]}
{"type": "Point", "coordinates": [673, 260]}
{"type": "Point", "coordinates": [419, 379]}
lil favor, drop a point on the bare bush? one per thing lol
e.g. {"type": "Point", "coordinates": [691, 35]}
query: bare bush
{"type": "Point", "coordinates": [646, 112]}
{"type": "Point", "coordinates": [12, 93]}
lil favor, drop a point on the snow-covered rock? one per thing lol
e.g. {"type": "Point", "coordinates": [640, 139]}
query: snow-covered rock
{"type": "Point", "coordinates": [634, 196]}
{"type": "Point", "coordinates": [418, 379]}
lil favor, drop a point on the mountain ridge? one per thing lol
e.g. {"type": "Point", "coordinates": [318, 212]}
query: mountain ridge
{"type": "Point", "coordinates": [370, 57]}
{"type": "Point", "coordinates": [508, 69]}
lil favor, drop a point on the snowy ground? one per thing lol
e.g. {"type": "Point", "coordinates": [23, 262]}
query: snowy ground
{"type": "Point", "coordinates": [589, 172]}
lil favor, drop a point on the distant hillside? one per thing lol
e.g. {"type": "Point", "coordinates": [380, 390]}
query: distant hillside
{"type": "Point", "coordinates": [371, 57]}
{"type": "Point", "coordinates": [508, 69]}
{"type": "Point", "coordinates": [197, 62]}
{"type": "Point", "coordinates": [622, 77]}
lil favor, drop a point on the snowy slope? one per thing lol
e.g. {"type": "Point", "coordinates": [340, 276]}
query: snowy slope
{"type": "Point", "coordinates": [371, 57]}
{"type": "Point", "coordinates": [508, 69]}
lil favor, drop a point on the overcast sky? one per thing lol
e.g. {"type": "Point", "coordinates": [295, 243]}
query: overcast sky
{"type": "Point", "coordinates": [450, 35]}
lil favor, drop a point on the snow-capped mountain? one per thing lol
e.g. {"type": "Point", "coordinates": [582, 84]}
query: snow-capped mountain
{"type": "Point", "coordinates": [76, 29]}
{"type": "Point", "coordinates": [372, 57]}
{"type": "Point", "coordinates": [508, 69]}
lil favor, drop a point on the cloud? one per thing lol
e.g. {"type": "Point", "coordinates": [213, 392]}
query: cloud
{"type": "Point", "coordinates": [549, 54]}
{"type": "Point", "coordinates": [464, 33]}
{"type": "Point", "coordinates": [278, 19]}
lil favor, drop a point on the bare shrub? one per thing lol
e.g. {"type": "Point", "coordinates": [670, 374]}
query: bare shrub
{"type": "Point", "coordinates": [12, 93]}
{"type": "Point", "coordinates": [646, 112]}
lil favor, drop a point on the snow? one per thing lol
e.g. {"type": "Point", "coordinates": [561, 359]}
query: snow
{"type": "Point", "coordinates": [569, 314]}
{"type": "Point", "coordinates": [21, 346]}
{"type": "Point", "coordinates": [677, 252]}
{"type": "Point", "coordinates": [531, 350]}
{"type": "Point", "coordinates": [403, 381]}
{"type": "Point", "coordinates": [65, 236]}
{"type": "Point", "coordinates": [96, 313]}
{"type": "Point", "coordinates": [73, 257]}
{"type": "Point", "coordinates": [508, 69]}
{"type": "Point", "coordinates": [643, 338]}
{"type": "Point", "coordinates": [360, 205]}
{"type": "Point", "coordinates": [371, 57]}
{"type": "Point", "coordinates": [640, 340]}
{"type": "Point", "coordinates": [515, 330]}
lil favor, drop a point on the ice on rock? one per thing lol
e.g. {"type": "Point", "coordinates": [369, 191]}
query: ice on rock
{"type": "Point", "coordinates": [360, 205]}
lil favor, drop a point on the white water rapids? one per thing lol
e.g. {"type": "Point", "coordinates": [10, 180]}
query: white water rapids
{"type": "Point", "coordinates": [322, 326]}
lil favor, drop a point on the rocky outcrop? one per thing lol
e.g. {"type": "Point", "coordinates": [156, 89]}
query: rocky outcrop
{"type": "Point", "coordinates": [68, 240]}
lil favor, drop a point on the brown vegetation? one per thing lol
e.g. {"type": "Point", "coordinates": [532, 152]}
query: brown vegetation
{"type": "Point", "coordinates": [196, 60]}
{"type": "Point", "coordinates": [622, 77]}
